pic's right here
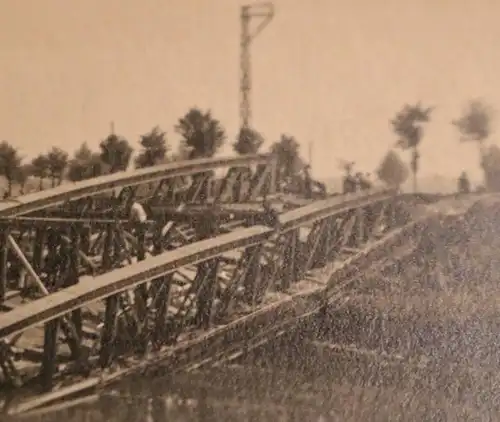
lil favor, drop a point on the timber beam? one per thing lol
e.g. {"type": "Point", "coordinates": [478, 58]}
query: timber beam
{"type": "Point", "coordinates": [154, 211]}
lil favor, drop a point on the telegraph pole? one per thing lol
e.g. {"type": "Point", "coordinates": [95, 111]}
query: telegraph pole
{"type": "Point", "coordinates": [264, 12]}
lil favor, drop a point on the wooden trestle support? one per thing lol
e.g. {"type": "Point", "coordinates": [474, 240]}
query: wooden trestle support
{"type": "Point", "coordinates": [122, 297]}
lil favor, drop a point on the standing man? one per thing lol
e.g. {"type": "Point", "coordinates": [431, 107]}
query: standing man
{"type": "Point", "coordinates": [139, 217]}
{"type": "Point", "coordinates": [308, 181]}
{"type": "Point", "coordinates": [463, 184]}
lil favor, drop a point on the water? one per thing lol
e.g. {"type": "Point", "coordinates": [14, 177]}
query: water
{"type": "Point", "coordinates": [293, 379]}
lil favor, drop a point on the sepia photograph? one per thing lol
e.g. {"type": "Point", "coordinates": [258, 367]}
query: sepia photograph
{"type": "Point", "coordinates": [217, 211]}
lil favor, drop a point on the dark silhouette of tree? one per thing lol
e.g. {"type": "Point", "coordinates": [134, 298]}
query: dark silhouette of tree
{"type": "Point", "coordinates": [349, 181]}
{"type": "Point", "coordinates": [40, 168]}
{"type": "Point", "coordinates": [249, 141]}
{"type": "Point", "coordinates": [407, 125]}
{"type": "Point", "coordinates": [22, 176]}
{"type": "Point", "coordinates": [474, 124]}
{"type": "Point", "coordinates": [392, 170]}
{"type": "Point", "coordinates": [491, 167]}
{"type": "Point", "coordinates": [201, 133]}
{"type": "Point", "coordinates": [10, 161]}
{"type": "Point", "coordinates": [57, 161]}
{"type": "Point", "coordinates": [154, 148]}
{"type": "Point", "coordinates": [288, 158]}
{"type": "Point", "coordinates": [85, 164]}
{"type": "Point", "coordinates": [115, 153]}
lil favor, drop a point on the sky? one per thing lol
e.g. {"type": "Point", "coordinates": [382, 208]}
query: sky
{"type": "Point", "coordinates": [329, 72]}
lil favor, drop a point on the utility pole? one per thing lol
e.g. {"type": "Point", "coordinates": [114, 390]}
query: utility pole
{"type": "Point", "coordinates": [264, 12]}
{"type": "Point", "coordinates": [112, 125]}
{"type": "Point", "coordinates": [310, 153]}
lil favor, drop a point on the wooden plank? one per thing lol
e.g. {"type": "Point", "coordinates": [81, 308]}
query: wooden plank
{"type": "Point", "coordinates": [72, 191]}
{"type": "Point", "coordinates": [63, 301]}
{"type": "Point", "coordinates": [24, 412]}
{"type": "Point", "coordinates": [318, 210]}
{"type": "Point", "coordinates": [45, 399]}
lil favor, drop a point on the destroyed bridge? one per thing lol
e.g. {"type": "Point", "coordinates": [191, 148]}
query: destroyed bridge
{"type": "Point", "coordinates": [223, 264]}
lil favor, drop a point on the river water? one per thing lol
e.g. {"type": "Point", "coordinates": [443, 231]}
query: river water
{"type": "Point", "coordinates": [296, 379]}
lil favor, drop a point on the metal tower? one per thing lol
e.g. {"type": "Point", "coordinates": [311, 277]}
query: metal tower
{"type": "Point", "coordinates": [264, 12]}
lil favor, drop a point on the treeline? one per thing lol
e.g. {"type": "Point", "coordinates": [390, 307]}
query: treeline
{"type": "Point", "coordinates": [473, 125]}
{"type": "Point", "coordinates": [200, 133]}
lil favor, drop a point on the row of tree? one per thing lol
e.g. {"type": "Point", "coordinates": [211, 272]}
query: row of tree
{"type": "Point", "coordinates": [201, 136]}
{"type": "Point", "coordinates": [474, 125]}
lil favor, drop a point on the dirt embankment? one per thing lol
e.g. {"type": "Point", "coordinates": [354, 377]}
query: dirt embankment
{"type": "Point", "coordinates": [442, 301]}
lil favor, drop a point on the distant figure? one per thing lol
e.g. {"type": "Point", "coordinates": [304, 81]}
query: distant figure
{"type": "Point", "coordinates": [368, 177]}
{"type": "Point", "coordinates": [85, 239]}
{"type": "Point", "coordinates": [349, 184]}
{"type": "Point", "coordinates": [271, 217]}
{"type": "Point", "coordinates": [307, 182]}
{"type": "Point", "coordinates": [56, 261]}
{"type": "Point", "coordinates": [268, 217]}
{"type": "Point", "coordinates": [463, 183]}
{"type": "Point", "coordinates": [362, 183]}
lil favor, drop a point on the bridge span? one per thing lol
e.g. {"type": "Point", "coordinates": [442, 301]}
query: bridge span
{"type": "Point", "coordinates": [222, 265]}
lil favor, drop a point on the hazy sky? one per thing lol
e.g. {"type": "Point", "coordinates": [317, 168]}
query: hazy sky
{"type": "Point", "coordinates": [329, 71]}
